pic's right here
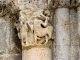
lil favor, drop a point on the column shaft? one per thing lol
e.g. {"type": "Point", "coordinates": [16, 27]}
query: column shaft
{"type": "Point", "coordinates": [62, 40]}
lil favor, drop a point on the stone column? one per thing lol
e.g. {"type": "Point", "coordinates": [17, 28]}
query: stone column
{"type": "Point", "coordinates": [74, 35]}
{"type": "Point", "coordinates": [66, 40]}
{"type": "Point", "coordinates": [37, 53]}
{"type": "Point", "coordinates": [74, 29]}
{"type": "Point", "coordinates": [78, 15]}
{"type": "Point", "coordinates": [62, 40]}
{"type": "Point", "coordinates": [35, 29]}
{"type": "Point", "coordinates": [61, 44]}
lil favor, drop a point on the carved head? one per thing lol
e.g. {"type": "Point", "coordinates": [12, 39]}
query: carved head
{"type": "Point", "coordinates": [46, 13]}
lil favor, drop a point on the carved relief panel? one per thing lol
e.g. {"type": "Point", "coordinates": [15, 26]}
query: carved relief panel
{"type": "Point", "coordinates": [33, 27]}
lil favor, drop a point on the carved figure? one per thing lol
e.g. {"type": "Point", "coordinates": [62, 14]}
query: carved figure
{"type": "Point", "coordinates": [33, 26]}
{"type": "Point", "coordinates": [23, 33]}
{"type": "Point", "coordinates": [42, 29]}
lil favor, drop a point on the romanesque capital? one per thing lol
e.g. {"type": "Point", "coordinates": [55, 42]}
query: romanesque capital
{"type": "Point", "coordinates": [33, 27]}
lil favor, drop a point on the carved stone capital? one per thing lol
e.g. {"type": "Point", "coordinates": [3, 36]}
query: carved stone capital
{"type": "Point", "coordinates": [64, 3]}
{"type": "Point", "coordinates": [31, 4]}
{"type": "Point", "coordinates": [34, 27]}
{"type": "Point", "coordinates": [74, 3]}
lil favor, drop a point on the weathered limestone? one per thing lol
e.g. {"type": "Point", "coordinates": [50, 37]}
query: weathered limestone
{"type": "Point", "coordinates": [4, 36]}
{"type": "Point", "coordinates": [10, 57]}
{"type": "Point", "coordinates": [5, 41]}
{"type": "Point", "coordinates": [3, 2]}
{"type": "Point", "coordinates": [78, 16]}
{"type": "Point", "coordinates": [34, 29]}
{"type": "Point", "coordinates": [43, 52]}
{"type": "Point", "coordinates": [8, 48]}
{"type": "Point", "coordinates": [74, 35]}
{"type": "Point", "coordinates": [60, 3]}
{"type": "Point", "coordinates": [62, 39]}
{"type": "Point", "coordinates": [64, 3]}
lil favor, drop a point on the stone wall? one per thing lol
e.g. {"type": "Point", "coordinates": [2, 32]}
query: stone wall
{"type": "Point", "coordinates": [10, 46]}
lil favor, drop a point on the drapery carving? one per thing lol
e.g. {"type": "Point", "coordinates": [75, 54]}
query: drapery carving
{"type": "Point", "coordinates": [34, 27]}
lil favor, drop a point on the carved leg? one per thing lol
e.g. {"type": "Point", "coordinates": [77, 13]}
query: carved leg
{"type": "Point", "coordinates": [23, 43]}
{"type": "Point", "coordinates": [26, 40]}
{"type": "Point", "coordinates": [35, 38]}
{"type": "Point", "coordinates": [50, 32]}
{"type": "Point", "coordinates": [19, 35]}
{"type": "Point", "coordinates": [47, 38]}
{"type": "Point", "coordinates": [27, 43]}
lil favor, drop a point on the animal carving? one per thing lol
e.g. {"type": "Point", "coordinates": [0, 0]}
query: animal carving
{"type": "Point", "coordinates": [40, 31]}
{"type": "Point", "coordinates": [33, 25]}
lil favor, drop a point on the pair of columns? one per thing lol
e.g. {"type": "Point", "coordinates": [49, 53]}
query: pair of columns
{"type": "Point", "coordinates": [66, 43]}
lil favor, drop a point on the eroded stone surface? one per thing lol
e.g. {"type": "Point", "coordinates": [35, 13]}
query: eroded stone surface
{"type": "Point", "coordinates": [10, 57]}
{"type": "Point", "coordinates": [3, 36]}
{"type": "Point", "coordinates": [64, 3]}
{"type": "Point", "coordinates": [62, 40]}
{"type": "Point", "coordinates": [34, 27]}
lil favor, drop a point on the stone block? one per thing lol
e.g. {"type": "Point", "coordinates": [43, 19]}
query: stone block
{"type": "Point", "coordinates": [3, 36]}
{"type": "Point", "coordinates": [10, 57]}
